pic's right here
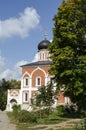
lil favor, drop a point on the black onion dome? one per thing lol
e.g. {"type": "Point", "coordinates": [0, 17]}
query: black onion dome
{"type": "Point", "coordinates": [43, 44]}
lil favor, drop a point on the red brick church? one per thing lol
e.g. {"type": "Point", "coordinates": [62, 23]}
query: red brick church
{"type": "Point", "coordinates": [34, 75]}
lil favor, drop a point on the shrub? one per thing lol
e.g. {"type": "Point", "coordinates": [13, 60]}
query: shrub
{"type": "Point", "coordinates": [25, 116]}
{"type": "Point", "coordinates": [81, 125]}
{"type": "Point", "coordinates": [71, 111]}
{"type": "Point", "coordinates": [16, 107]}
{"type": "Point", "coordinates": [16, 110]}
{"type": "Point", "coordinates": [60, 110]}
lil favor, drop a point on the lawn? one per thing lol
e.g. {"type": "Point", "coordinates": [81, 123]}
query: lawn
{"type": "Point", "coordinates": [42, 123]}
{"type": "Point", "coordinates": [58, 119]}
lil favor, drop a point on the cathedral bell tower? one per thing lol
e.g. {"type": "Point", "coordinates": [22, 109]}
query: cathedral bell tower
{"type": "Point", "coordinates": [43, 53]}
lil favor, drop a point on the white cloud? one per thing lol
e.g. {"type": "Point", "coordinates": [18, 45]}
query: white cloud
{"type": "Point", "coordinates": [8, 73]}
{"type": "Point", "coordinates": [20, 63]}
{"type": "Point", "coordinates": [51, 40]}
{"type": "Point", "coordinates": [35, 58]}
{"type": "Point", "coordinates": [20, 26]}
{"type": "Point", "coordinates": [16, 71]}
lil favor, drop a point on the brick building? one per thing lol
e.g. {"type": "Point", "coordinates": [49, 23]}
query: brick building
{"type": "Point", "coordinates": [34, 75]}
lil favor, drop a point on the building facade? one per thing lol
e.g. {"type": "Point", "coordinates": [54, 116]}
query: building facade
{"type": "Point", "coordinates": [34, 75]}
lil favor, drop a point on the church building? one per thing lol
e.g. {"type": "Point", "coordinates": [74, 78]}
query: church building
{"type": "Point", "coordinates": [34, 75]}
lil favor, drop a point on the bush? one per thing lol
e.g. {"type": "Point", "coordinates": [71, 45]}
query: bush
{"type": "Point", "coordinates": [60, 110]}
{"type": "Point", "coordinates": [70, 109]}
{"type": "Point", "coordinates": [81, 125]}
{"type": "Point", "coordinates": [16, 110]}
{"type": "Point", "coordinates": [25, 116]}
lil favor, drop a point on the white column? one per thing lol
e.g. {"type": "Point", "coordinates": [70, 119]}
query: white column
{"type": "Point", "coordinates": [67, 100]}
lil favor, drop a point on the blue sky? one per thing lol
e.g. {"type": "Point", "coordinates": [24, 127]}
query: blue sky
{"type": "Point", "coordinates": [22, 24]}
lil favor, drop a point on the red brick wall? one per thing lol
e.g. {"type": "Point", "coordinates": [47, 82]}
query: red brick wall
{"type": "Point", "coordinates": [35, 75]}
{"type": "Point", "coordinates": [40, 73]}
{"type": "Point", "coordinates": [30, 69]}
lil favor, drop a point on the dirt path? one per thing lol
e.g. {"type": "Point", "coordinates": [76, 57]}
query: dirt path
{"type": "Point", "coordinates": [66, 124]}
{"type": "Point", "coordinates": [5, 123]}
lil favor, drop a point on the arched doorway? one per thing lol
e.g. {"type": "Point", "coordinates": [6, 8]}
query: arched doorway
{"type": "Point", "coordinates": [12, 102]}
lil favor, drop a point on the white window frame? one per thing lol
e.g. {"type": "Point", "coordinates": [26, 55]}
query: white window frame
{"type": "Point", "coordinates": [37, 82]}
{"type": "Point", "coordinates": [25, 96]}
{"type": "Point", "coordinates": [26, 81]}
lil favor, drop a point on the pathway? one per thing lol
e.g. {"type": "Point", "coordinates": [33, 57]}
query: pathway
{"type": "Point", "coordinates": [5, 123]}
{"type": "Point", "coordinates": [65, 124]}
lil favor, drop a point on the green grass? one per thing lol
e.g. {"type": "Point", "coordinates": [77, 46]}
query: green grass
{"type": "Point", "coordinates": [12, 119]}
{"type": "Point", "coordinates": [41, 122]}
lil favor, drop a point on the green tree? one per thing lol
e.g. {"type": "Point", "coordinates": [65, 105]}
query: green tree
{"type": "Point", "coordinates": [45, 97]}
{"type": "Point", "coordinates": [68, 50]}
{"type": "Point", "coordinates": [14, 84]}
{"type": "Point", "coordinates": [4, 86]}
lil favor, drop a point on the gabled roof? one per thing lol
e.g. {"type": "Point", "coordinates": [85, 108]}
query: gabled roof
{"type": "Point", "coordinates": [38, 63]}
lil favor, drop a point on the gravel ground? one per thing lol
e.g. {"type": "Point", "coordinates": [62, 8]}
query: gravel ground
{"type": "Point", "coordinates": [5, 123]}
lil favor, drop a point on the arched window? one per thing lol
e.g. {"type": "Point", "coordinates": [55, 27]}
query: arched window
{"type": "Point", "coordinates": [38, 81]}
{"type": "Point", "coordinates": [26, 81]}
{"type": "Point", "coordinates": [25, 96]}
{"type": "Point", "coordinates": [40, 56]}
{"type": "Point", "coordinates": [43, 56]}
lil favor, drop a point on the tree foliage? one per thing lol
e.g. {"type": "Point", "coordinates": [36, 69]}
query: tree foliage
{"type": "Point", "coordinates": [68, 50]}
{"type": "Point", "coordinates": [14, 84]}
{"type": "Point", "coordinates": [4, 86]}
{"type": "Point", "coordinates": [45, 97]}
